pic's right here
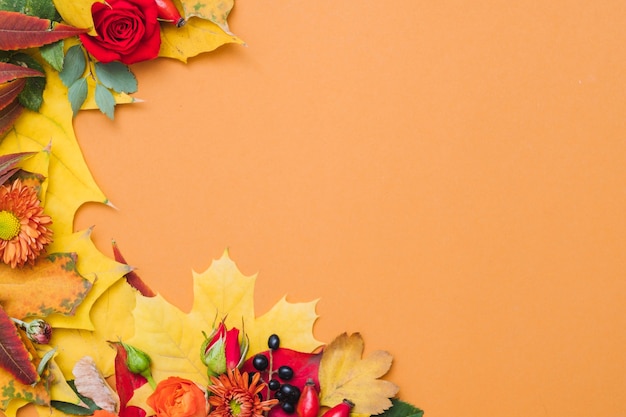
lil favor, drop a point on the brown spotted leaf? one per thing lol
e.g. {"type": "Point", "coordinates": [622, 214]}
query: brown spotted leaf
{"type": "Point", "coordinates": [14, 357]}
{"type": "Point", "coordinates": [52, 285]}
{"type": "Point", "coordinates": [20, 31]}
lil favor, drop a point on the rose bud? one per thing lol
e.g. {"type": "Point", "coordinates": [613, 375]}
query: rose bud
{"type": "Point", "coordinates": [39, 331]}
{"type": "Point", "coordinates": [138, 362]}
{"type": "Point", "coordinates": [222, 350]}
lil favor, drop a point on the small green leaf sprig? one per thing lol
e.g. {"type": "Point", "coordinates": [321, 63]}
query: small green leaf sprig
{"type": "Point", "coordinates": [110, 77]}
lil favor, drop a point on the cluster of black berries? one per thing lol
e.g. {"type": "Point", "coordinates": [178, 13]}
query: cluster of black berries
{"type": "Point", "coordinates": [287, 394]}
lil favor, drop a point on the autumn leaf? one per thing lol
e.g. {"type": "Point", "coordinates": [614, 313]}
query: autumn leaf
{"type": "Point", "coordinates": [90, 383]}
{"type": "Point", "coordinates": [344, 374]}
{"type": "Point", "coordinates": [215, 11]}
{"type": "Point", "coordinates": [111, 315]}
{"type": "Point", "coordinates": [10, 72]}
{"type": "Point", "coordinates": [14, 357]}
{"type": "Point", "coordinates": [8, 164]}
{"type": "Point", "coordinates": [52, 285]}
{"type": "Point", "coordinates": [173, 338]}
{"type": "Point", "coordinates": [20, 31]}
{"type": "Point", "coordinates": [197, 36]}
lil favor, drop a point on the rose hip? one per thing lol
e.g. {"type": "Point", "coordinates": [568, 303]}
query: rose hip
{"type": "Point", "coordinates": [309, 403]}
{"type": "Point", "coordinates": [169, 13]}
{"type": "Point", "coordinates": [340, 410]}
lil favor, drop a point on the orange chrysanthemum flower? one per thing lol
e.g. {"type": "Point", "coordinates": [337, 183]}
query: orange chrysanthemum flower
{"type": "Point", "coordinates": [24, 231]}
{"type": "Point", "coordinates": [235, 396]}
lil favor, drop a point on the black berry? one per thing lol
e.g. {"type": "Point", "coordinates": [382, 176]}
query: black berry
{"type": "Point", "coordinates": [273, 342]}
{"type": "Point", "coordinates": [290, 393]}
{"type": "Point", "coordinates": [260, 362]}
{"type": "Point", "coordinates": [285, 373]}
{"type": "Point", "coordinates": [288, 408]}
{"type": "Point", "coordinates": [273, 384]}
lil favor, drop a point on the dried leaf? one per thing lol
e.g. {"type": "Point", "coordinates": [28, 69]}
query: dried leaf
{"type": "Point", "coordinates": [20, 31]}
{"type": "Point", "coordinates": [14, 357]}
{"type": "Point", "coordinates": [344, 374]}
{"type": "Point", "coordinates": [90, 383]}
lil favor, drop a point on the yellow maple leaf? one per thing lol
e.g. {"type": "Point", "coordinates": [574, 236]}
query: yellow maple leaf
{"type": "Point", "coordinates": [344, 374]}
{"type": "Point", "coordinates": [173, 339]}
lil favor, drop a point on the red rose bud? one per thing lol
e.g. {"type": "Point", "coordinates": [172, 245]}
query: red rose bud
{"type": "Point", "coordinates": [38, 331]}
{"type": "Point", "coordinates": [138, 362]}
{"type": "Point", "coordinates": [169, 13]}
{"type": "Point", "coordinates": [222, 350]}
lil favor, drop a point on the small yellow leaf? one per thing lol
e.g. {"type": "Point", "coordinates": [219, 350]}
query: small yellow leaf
{"type": "Point", "coordinates": [344, 374]}
{"type": "Point", "coordinates": [76, 12]}
{"type": "Point", "coordinates": [196, 36]}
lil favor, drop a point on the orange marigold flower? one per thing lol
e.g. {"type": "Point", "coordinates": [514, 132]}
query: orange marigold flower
{"type": "Point", "coordinates": [24, 231]}
{"type": "Point", "coordinates": [236, 396]}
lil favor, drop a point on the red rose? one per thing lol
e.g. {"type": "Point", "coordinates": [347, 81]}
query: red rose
{"type": "Point", "coordinates": [128, 31]}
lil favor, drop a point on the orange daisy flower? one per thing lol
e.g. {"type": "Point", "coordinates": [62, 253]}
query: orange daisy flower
{"type": "Point", "coordinates": [24, 231]}
{"type": "Point", "coordinates": [235, 396]}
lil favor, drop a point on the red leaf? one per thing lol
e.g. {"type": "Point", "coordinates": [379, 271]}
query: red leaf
{"type": "Point", "coordinates": [19, 31]}
{"type": "Point", "coordinates": [10, 90]}
{"type": "Point", "coordinates": [126, 383]}
{"type": "Point", "coordinates": [14, 356]}
{"type": "Point", "coordinates": [9, 115]}
{"type": "Point", "coordinates": [132, 278]}
{"type": "Point", "coordinates": [8, 164]}
{"type": "Point", "coordinates": [304, 365]}
{"type": "Point", "coordinates": [10, 72]}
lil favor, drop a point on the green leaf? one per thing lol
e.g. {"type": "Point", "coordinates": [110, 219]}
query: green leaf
{"type": "Point", "coordinates": [117, 77]}
{"type": "Point", "coordinates": [53, 54]}
{"type": "Point", "coordinates": [105, 100]}
{"type": "Point", "coordinates": [77, 93]}
{"type": "Point", "coordinates": [74, 65]}
{"type": "Point", "coordinates": [40, 8]}
{"type": "Point", "coordinates": [401, 409]}
{"type": "Point", "coordinates": [71, 409]}
{"type": "Point", "coordinates": [31, 96]}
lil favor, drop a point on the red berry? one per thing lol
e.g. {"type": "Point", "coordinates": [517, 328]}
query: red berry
{"type": "Point", "coordinates": [309, 403]}
{"type": "Point", "coordinates": [340, 410]}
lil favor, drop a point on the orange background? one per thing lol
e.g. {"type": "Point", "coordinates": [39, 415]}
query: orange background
{"type": "Point", "coordinates": [449, 177]}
